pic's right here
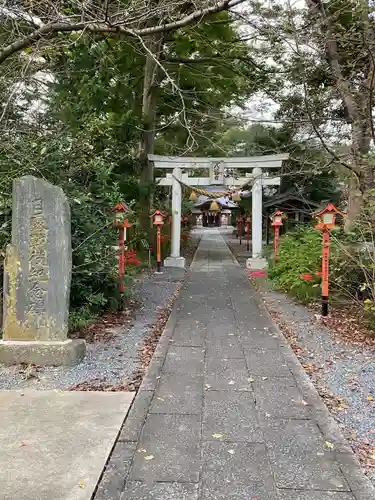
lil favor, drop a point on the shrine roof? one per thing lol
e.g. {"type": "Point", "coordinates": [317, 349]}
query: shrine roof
{"type": "Point", "coordinates": [290, 200]}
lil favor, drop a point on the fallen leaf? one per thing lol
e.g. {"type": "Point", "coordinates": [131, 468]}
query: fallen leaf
{"type": "Point", "coordinates": [21, 444]}
{"type": "Point", "coordinates": [82, 484]}
{"type": "Point", "coordinates": [370, 398]}
{"type": "Point", "coordinates": [149, 457]}
{"type": "Point", "coordinates": [329, 445]}
{"type": "Point", "coordinates": [250, 380]}
{"type": "Point", "coordinates": [232, 452]}
{"type": "Point", "coordinates": [231, 382]}
{"type": "Point", "coordinates": [217, 436]}
{"type": "Point", "coordinates": [264, 378]}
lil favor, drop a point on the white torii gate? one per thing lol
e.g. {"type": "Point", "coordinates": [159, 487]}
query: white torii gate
{"type": "Point", "coordinates": [217, 167]}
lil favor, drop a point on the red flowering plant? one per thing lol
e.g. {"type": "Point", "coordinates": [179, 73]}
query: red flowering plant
{"type": "Point", "coordinates": [257, 274]}
{"type": "Point", "coordinates": [131, 257]}
{"type": "Point", "coordinates": [306, 276]}
{"type": "Point", "coordinates": [185, 237]}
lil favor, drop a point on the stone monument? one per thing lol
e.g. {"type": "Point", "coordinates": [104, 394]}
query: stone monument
{"type": "Point", "coordinates": [37, 277]}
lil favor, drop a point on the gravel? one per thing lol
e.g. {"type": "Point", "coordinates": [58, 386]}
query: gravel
{"type": "Point", "coordinates": [111, 362]}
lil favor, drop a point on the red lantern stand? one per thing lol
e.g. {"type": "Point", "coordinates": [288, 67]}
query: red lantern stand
{"type": "Point", "coordinates": [248, 221]}
{"type": "Point", "coordinates": [158, 222]}
{"type": "Point", "coordinates": [277, 222]}
{"type": "Point", "coordinates": [326, 222]}
{"type": "Point", "coordinates": [122, 223]}
{"type": "Point", "coordinates": [239, 227]}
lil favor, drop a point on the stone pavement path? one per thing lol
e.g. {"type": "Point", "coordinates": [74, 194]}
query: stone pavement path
{"type": "Point", "coordinates": [225, 411]}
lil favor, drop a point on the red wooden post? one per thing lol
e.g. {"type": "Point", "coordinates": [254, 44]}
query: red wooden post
{"type": "Point", "coordinates": [237, 224]}
{"type": "Point", "coordinates": [121, 259]}
{"type": "Point", "coordinates": [240, 229]}
{"type": "Point", "coordinates": [122, 223]}
{"type": "Point", "coordinates": [276, 243]}
{"type": "Point", "coordinates": [326, 221]}
{"type": "Point", "coordinates": [158, 217]}
{"type": "Point", "coordinates": [277, 221]}
{"type": "Point", "coordinates": [325, 272]}
{"type": "Point", "coordinates": [158, 244]}
{"type": "Point", "coordinates": [248, 220]}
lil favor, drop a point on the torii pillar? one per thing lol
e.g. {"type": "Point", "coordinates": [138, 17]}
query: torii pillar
{"type": "Point", "coordinates": [175, 259]}
{"type": "Point", "coordinates": [257, 261]}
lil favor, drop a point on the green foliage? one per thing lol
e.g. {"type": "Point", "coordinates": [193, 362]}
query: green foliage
{"type": "Point", "coordinates": [299, 253]}
{"type": "Point", "coordinates": [81, 130]}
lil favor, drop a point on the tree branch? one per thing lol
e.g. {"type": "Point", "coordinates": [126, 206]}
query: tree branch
{"type": "Point", "coordinates": [50, 29]}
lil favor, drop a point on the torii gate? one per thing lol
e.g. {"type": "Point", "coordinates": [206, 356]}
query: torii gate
{"type": "Point", "coordinates": [217, 168]}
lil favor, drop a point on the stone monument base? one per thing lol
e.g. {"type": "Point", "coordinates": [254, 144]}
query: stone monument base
{"type": "Point", "coordinates": [175, 262]}
{"type": "Point", "coordinates": [48, 353]}
{"type": "Point", "coordinates": [256, 263]}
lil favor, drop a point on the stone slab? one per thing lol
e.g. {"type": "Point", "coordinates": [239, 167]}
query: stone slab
{"type": "Point", "coordinates": [224, 346]}
{"type": "Point", "coordinates": [256, 264]}
{"type": "Point", "coordinates": [190, 335]}
{"type": "Point", "coordinates": [178, 394]}
{"type": "Point", "coordinates": [299, 457]}
{"type": "Point", "coordinates": [136, 490]}
{"type": "Point", "coordinates": [313, 495]}
{"type": "Point", "coordinates": [69, 352]}
{"type": "Point", "coordinates": [175, 262]}
{"type": "Point", "coordinates": [236, 471]}
{"type": "Point", "coordinates": [54, 445]}
{"type": "Point", "coordinates": [259, 339]}
{"type": "Point", "coordinates": [173, 443]}
{"type": "Point", "coordinates": [280, 398]}
{"type": "Point", "coordinates": [231, 414]}
{"type": "Point", "coordinates": [224, 374]}
{"type": "Point", "coordinates": [38, 264]}
{"type": "Point", "coordinates": [267, 363]}
{"type": "Point", "coordinates": [184, 361]}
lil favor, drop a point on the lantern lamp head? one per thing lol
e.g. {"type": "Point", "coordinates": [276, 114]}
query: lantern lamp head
{"type": "Point", "coordinates": [327, 217]}
{"type": "Point", "coordinates": [119, 211]}
{"type": "Point", "coordinates": [158, 217]}
{"type": "Point", "coordinates": [277, 218]}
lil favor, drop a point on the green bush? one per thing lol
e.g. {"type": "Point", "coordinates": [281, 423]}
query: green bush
{"type": "Point", "coordinates": [299, 253]}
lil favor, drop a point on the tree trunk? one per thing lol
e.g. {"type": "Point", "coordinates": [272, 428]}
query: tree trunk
{"type": "Point", "coordinates": [146, 146]}
{"type": "Point", "coordinates": [355, 203]}
{"type": "Point", "coordinates": [362, 178]}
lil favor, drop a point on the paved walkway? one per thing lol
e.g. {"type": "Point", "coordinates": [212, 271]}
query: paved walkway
{"type": "Point", "coordinates": [226, 411]}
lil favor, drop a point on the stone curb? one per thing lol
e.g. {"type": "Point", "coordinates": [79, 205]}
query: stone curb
{"type": "Point", "coordinates": [351, 469]}
{"type": "Point", "coordinates": [153, 370]}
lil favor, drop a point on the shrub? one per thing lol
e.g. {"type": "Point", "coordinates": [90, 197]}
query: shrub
{"type": "Point", "coordinates": [299, 253]}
